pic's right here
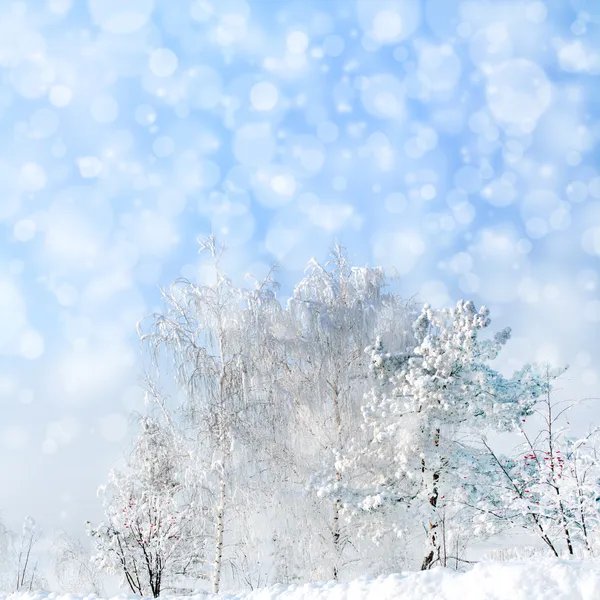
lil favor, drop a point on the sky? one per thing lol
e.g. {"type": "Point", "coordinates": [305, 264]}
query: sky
{"type": "Point", "coordinates": [453, 141]}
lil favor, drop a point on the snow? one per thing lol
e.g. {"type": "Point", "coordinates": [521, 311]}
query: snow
{"type": "Point", "coordinates": [60, 96]}
{"type": "Point", "coordinates": [540, 580]}
{"type": "Point", "coordinates": [453, 141]}
{"type": "Point", "coordinates": [163, 62]}
{"type": "Point", "coordinates": [104, 109]}
{"type": "Point", "coordinates": [121, 17]}
{"type": "Point", "coordinates": [518, 92]}
{"type": "Point", "coordinates": [264, 96]}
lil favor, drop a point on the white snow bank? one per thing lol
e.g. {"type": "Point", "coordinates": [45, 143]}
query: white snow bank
{"type": "Point", "coordinates": [543, 580]}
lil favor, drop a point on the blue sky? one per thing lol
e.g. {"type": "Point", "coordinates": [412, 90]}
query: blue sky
{"type": "Point", "coordinates": [455, 141]}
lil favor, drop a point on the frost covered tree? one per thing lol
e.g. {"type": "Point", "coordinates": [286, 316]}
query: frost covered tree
{"type": "Point", "coordinates": [27, 565]}
{"type": "Point", "coordinates": [150, 536]}
{"type": "Point", "coordinates": [549, 486]}
{"type": "Point", "coordinates": [265, 394]}
{"type": "Point", "coordinates": [20, 567]}
{"type": "Point", "coordinates": [580, 485]}
{"type": "Point", "coordinates": [73, 568]}
{"type": "Point", "coordinates": [215, 336]}
{"type": "Point", "coordinates": [337, 310]}
{"type": "Point", "coordinates": [267, 404]}
{"type": "Point", "coordinates": [425, 404]}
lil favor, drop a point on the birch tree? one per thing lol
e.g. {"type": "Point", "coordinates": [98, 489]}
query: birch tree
{"type": "Point", "coordinates": [215, 339]}
{"type": "Point", "coordinates": [337, 310]}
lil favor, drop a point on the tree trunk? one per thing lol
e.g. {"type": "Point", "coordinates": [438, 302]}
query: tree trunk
{"type": "Point", "coordinates": [556, 486]}
{"type": "Point", "coordinates": [563, 519]}
{"type": "Point", "coordinates": [582, 516]}
{"type": "Point", "coordinates": [337, 505]}
{"type": "Point", "coordinates": [336, 536]}
{"type": "Point", "coordinates": [220, 524]}
{"type": "Point", "coordinates": [433, 546]}
{"type": "Point", "coordinates": [219, 539]}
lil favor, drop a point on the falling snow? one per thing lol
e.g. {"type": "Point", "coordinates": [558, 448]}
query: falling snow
{"type": "Point", "coordinates": [454, 141]}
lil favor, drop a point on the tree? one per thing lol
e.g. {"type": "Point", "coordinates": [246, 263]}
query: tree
{"type": "Point", "coordinates": [265, 401]}
{"type": "Point", "coordinates": [73, 567]}
{"type": "Point", "coordinates": [267, 393]}
{"type": "Point", "coordinates": [582, 461]}
{"type": "Point", "coordinates": [150, 536]}
{"type": "Point", "coordinates": [425, 404]}
{"type": "Point", "coordinates": [550, 483]}
{"type": "Point", "coordinates": [216, 338]}
{"type": "Point", "coordinates": [21, 569]}
{"type": "Point", "coordinates": [337, 310]}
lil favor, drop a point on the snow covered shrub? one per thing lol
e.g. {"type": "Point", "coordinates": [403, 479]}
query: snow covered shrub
{"type": "Point", "coordinates": [150, 536]}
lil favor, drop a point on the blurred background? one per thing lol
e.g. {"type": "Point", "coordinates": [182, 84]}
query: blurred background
{"type": "Point", "coordinates": [453, 142]}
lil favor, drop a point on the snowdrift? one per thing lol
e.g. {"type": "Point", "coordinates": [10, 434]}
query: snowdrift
{"type": "Point", "coordinates": [543, 580]}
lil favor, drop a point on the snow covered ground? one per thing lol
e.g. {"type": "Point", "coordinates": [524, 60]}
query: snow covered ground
{"type": "Point", "coordinates": [541, 580]}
